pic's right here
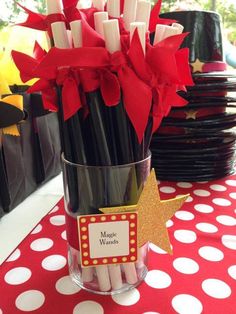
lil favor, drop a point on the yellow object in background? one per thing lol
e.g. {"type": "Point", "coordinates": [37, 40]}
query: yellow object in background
{"type": "Point", "coordinates": [16, 101]}
{"type": "Point", "coordinates": [4, 88]}
{"type": "Point", "coordinates": [21, 39]}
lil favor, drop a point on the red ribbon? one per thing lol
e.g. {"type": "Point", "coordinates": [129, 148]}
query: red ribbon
{"type": "Point", "coordinates": [69, 80]}
{"type": "Point", "coordinates": [214, 67]}
{"type": "Point", "coordinates": [165, 69]}
{"type": "Point", "coordinates": [157, 77]}
{"type": "Point", "coordinates": [65, 77]}
{"type": "Point", "coordinates": [155, 19]}
{"type": "Point", "coordinates": [41, 22]}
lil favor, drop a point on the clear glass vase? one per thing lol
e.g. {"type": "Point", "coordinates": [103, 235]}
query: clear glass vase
{"type": "Point", "coordinates": [86, 190]}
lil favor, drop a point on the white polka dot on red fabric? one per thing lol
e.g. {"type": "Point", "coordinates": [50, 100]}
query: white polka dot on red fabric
{"type": "Point", "coordinates": [54, 210]}
{"type": "Point", "coordinates": [167, 189]}
{"type": "Point", "coordinates": [185, 236]}
{"type": "Point", "coordinates": [206, 227]}
{"type": "Point", "coordinates": [66, 286]}
{"type": "Point", "coordinates": [17, 276]}
{"type": "Point", "coordinates": [232, 271]}
{"type": "Point", "coordinates": [218, 188]}
{"type": "Point", "coordinates": [203, 193]}
{"type": "Point", "coordinates": [90, 307]}
{"type": "Point", "coordinates": [185, 185]}
{"type": "Point", "coordinates": [156, 249]}
{"type": "Point", "coordinates": [14, 256]}
{"type": "Point", "coordinates": [216, 288]}
{"type": "Point", "coordinates": [1, 311]}
{"type": "Point", "coordinates": [203, 208]}
{"type": "Point", "coordinates": [127, 298]}
{"type": "Point", "coordinates": [221, 202]}
{"type": "Point", "coordinates": [184, 215]}
{"type": "Point", "coordinates": [54, 262]}
{"type": "Point", "coordinates": [211, 254]}
{"type": "Point", "coordinates": [186, 265]}
{"type": "Point", "coordinates": [63, 235]}
{"type": "Point", "coordinates": [169, 223]}
{"type": "Point", "coordinates": [185, 304]}
{"type": "Point", "coordinates": [233, 196]}
{"type": "Point", "coordinates": [231, 182]}
{"type": "Point", "coordinates": [30, 300]}
{"type": "Point", "coordinates": [226, 220]}
{"type": "Point", "coordinates": [158, 279]}
{"type": "Point", "coordinates": [189, 199]}
{"type": "Point", "coordinates": [58, 220]}
{"type": "Point", "coordinates": [229, 241]}
{"type": "Point", "coordinates": [42, 244]}
{"type": "Point", "coordinates": [37, 229]}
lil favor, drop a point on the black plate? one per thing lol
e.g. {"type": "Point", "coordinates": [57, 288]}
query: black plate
{"type": "Point", "coordinates": [209, 105]}
{"type": "Point", "coordinates": [215, 75]}
{"type": "Point", "coordinates": [220, 137]}
{"type": "Point", "coordinates": [225, 120]}
{"type": "Point", "coordinates": [226, 86]}
{"type": "Point", "coordinates": [208, 98]}
{"type": "Point", "coordinates": [196, 178]}
{"type": "Point", "coordinates": [192, 164]}
{"type": "Point", "coordinates": [183, 157]}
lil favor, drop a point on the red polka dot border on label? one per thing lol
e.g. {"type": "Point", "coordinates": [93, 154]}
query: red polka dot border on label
{"type": "Point", "coordinates": [85, 221]}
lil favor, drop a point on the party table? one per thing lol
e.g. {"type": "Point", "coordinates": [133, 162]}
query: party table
{"type": "Point", "coordinates": [200, 276]}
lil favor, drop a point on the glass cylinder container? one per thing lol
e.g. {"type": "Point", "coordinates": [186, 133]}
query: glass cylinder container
{"type": "Point", "coordinates": [86, 190]}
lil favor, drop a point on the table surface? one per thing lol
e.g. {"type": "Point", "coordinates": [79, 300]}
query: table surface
{"type": "Point", "coordinates": [200, 277]}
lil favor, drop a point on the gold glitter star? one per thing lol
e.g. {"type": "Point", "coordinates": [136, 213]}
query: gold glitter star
{"type": "Point", "coordinates": [152, 214]}
{"type": "Point", "coordinates": [197, 66]}
{"type": "Point", "coordinates": [191, 114]}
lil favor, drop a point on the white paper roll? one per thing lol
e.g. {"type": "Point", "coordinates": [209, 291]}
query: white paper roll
{"type": "Point", "coordinates": [113, 8]}
{"type": "Point", "coordinates": [164, 31]}
{"type": "Point", "coordinates": [69, 35]}
{"type": "Point", "coordinates": [60, 35]}
{"type": "Point", "coordinates": [76, 32]}
{"type": "Point", "coordinates": [130, 273]}
{"type": "Point", "coordinates": [103, 278]}
{"type": "Point", "coordinates": [115, 277]}
{"type": "Point", "coordinates": [54, 6]}
{"type": "Point", "coordinates": [99, 17]}
{"type": "Point", "coordinates": [179, 27]}
{"type": "Point", "coordinates": [112, 35]}
{"type": "Point", "coordinates": [129, 16]}
{"type": "Point", "coordinates": [48, 41]}
{"type": "Point", "coordinates": [98, 4]}
{"type": "Point", "coordinates": [143, 12]}
{"type": "Point", "coordinates": [141, 27]}
{"type": "Point", "coordinates": [86, 273]}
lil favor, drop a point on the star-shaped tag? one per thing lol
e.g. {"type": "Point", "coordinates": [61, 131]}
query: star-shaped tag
{"type": "Point", "coordinates": [197, 66]}
{"type": "Point", "coordinates": [152, 214]}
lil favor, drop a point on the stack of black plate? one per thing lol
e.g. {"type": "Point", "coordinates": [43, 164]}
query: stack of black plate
{"type": "Point", "coordinates": [197, 142]}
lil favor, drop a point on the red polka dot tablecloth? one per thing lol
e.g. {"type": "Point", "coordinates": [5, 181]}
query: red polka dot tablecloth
{"type": "Point", "coordinates": [200, 277]}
